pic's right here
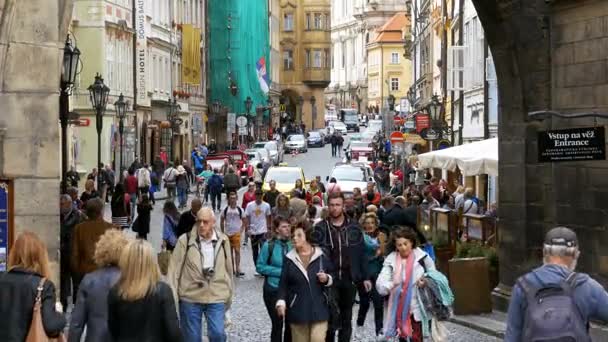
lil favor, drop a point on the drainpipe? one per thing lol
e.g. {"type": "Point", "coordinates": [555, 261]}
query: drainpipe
{"type": "Point", "coordinates": [461, 41]}
{"type": "Point", "coordinates": [486, 96]}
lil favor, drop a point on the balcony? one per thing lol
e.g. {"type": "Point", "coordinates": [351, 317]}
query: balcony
{"type": "Point", "coordinates": [317, 77]}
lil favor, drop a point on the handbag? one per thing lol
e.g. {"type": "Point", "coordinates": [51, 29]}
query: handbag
{"type": "Point", "coordinates": [163, 260]}
{"type": "Point", "coordinates": [36, 332]}
{"type": "Point", "coordinates": [334, 310]}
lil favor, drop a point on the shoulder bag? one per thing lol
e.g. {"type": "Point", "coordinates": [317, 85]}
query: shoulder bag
{"type": "Point", "coordinates": [36, 332]}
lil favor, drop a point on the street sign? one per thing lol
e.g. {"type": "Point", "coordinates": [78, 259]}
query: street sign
{"type": "Point", "coordinates": [422, 121]}
{"type": "Point", "coordinates": [241, 121]}
{"type": "Point", "coordinates": [82, 122]}
{"type": "Point", "coordinates": [573, 144]}
{"type": "Point", "coordinates": [242, 130]}
{"type": "Point", "coordinates": [414, 139]}
{"type": "Point", "coordinates": [396, 137]}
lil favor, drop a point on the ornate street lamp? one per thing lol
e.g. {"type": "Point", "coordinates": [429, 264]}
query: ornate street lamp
{"type": "Point", "coordinates": [98, 94]}
{"type": "Point", "coordinates": [435, 108]}
{"type": "Point", "coordinates": [313, 102]}
{"type": "Point", "coordinates": [121, 111]}
{"type": "Point", "coordinates": [71, 63]}
{"type": "Point", "coordinates": [391, 102]}
{"type": "Point", "coordinates": [411, 98]}
{"type": "Point", "coordinates": [174, 119]}
{"type": "Point", "coordinates": [438, 127]}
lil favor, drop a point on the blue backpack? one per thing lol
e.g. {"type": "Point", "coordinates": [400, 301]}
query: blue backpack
{"type": "Point", "coordinates": [552, 313]}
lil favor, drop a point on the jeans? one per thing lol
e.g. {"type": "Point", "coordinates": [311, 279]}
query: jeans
{"type": "Point", "coordinates": [182, 196]}
{"type": "Point", "coordinates": [270, 300]}
{"type": "Point", "coordinates": [257, 241]}
{"type": "Point", "coordinates": [333, 150]}
{"type": "Point", "coordinates": [216, 197]}
{"type": "Point", "coordinates": [191, 315]}
{"type": "Point", "coordinates": [339, 150]}
{"type": "Point", "coordinates": [345, 296]}
{"type": "Point", "coordinates": [133, 199]}
{"type": "Point", "coordinates": [171, 192]}
{"type": "Point", "coordinates": [65, 279]}
{"type": "Point", "coordinates": [364, 303]}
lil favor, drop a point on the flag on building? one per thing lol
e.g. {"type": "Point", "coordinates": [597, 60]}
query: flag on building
{"type": "Point", "coordinates": [263, 75]}
{"type": "Point", "coordinates": [191, 55]}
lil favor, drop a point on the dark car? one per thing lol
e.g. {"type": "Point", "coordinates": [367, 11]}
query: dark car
{"type": "Point", "coordinates": [315, 139]}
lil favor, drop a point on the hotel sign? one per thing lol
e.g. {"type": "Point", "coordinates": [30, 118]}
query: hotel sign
{"type": "Point", "coordinates": [141, 51]}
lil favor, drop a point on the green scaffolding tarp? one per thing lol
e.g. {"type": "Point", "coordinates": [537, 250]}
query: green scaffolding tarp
{"type": "Point", "coordinates": [238, 40]}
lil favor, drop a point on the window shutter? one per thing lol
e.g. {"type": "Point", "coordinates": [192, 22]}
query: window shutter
{"type": "Point", "coordinates": [456, 68]}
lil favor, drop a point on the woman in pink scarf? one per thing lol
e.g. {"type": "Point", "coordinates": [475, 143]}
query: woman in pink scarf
{"type": "Point", "coordinates": [401, 275]}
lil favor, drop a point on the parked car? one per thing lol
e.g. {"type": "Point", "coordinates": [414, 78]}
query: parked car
{"type": "Point", "coordinates": [296, 142]}
{"type": "Point", "coordinates": [315, 139]}
{"type": "Point", "coordinates": [337, 126]}
{"type": "Point", "coordinates": [325, 134]}
{"type": "Point", "coordinates": [350, 119]}
{"type": "Point", "coordinates": [274, 149]}
{"type": "Point", "coordinates": [351, 175]}
{"type": "Point", "coordinates": [361, 151]}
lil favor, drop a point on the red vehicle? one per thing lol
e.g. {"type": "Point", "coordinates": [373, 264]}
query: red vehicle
{"type": "Point", "coordinates": [361, 151]}
{"type": "Point", "coordinates": [238, 158]}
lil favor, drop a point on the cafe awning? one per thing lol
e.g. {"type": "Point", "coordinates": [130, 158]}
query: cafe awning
{"type": "Point", "coordinates": [472, 159]}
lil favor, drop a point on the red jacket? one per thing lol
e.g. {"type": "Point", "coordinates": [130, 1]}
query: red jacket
{"type": "Point", "coordinates": [248, 197]}
{"type": "Point", "coordinates": [310, 195]}
{"type": "Point", "coordinates": [375, 201]}
{"type": "Point", "coordinates": [131, 184]}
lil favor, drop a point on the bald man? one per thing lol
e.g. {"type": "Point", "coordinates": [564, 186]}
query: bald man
{"type": "Point", "coordinates": [204, 282]}
{"type": "Point", "coordinates": [187, 219]}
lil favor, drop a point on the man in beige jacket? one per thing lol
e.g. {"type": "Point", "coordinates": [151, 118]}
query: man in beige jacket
{"type": "Point", "coordinates": [201, 276]}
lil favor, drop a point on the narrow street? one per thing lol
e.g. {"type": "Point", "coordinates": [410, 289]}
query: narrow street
{"type": "Point", "coordinates": [249, 316]}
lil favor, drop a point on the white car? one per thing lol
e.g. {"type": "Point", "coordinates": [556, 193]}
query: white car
{"type": "Point", "coordinates": [274, 149]}
{"type": "Point", "coordinates": [350, 176]}
{"type": "Point", "coordinates": [337, 126]}
{"type": "Point", "coordinates": [296, 142]}
{"type": "Point", "coordinates": [253, 157]}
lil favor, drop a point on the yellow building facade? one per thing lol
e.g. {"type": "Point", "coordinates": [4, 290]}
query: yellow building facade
{"type": "Point", "coordinates": [305, 48]}
{"type": "Point", "coordinates": [389, 72]}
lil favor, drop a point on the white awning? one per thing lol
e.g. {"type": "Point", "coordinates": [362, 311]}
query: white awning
{"type": "Point", "coordinates": [472, 159]}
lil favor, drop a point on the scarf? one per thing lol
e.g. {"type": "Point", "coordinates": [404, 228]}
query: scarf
{"type": "Point", "coordinates": [398, 320]}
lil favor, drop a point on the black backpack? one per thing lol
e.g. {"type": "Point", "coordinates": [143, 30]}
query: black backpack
{"type": "Point", "coordinates": [552, 313]}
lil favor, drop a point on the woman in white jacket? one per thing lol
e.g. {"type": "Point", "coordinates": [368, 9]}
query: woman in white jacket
{"type": "Point", "coordinates": [402, 273]}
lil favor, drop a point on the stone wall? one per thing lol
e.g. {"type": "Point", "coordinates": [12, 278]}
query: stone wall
{"type": "Point", "coordinates": [32, 35]}
{"type": "Point", "coordinates": [548, 55]}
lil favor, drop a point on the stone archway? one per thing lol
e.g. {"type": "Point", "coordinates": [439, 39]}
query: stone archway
{"type": "Point", "coordinates": [32, 36]}
{"type": "Point", "coordinates": [536, 71]}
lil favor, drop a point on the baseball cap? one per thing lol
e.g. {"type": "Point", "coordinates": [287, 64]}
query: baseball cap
{"type": "Point", "coordinates": [561, 236]}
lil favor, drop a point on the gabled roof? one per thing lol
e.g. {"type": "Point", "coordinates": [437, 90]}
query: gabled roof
{"type": "Point", "coordinates": [391, 31]}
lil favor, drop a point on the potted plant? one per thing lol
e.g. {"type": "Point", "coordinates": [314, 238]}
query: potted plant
{"type": "Point", "coordinates": [470, 277]}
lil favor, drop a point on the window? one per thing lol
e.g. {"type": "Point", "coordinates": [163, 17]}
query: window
{"type": "Point", "coordinates": [317, 61]}
{"type": "Point", "coordinates": [343, 54]}
{"type": "Point", "coordinates": [307, 58]}
{"type": "Point", "coordinates": [288, 60]}
{"type": "Point", "coordinates": [288, 22]}
{"type": "Point", "coordinates": [456, 68]}
{"type": "Point", "coordinates": [308, 23]}
{"type": "Point", "coordinates": [318, 21]}
{"type": "Point", "coordinates": [395, 58]}
{"type": "Point", "coordinates": [327, 21]}
{"type": "Point", "coordinates": [394, 84]}
{"type": "Point", "coordinates": [328, 59]}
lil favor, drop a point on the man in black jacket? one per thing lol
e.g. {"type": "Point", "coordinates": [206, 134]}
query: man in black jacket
{"type": "Point", "coordinates": [399, 215]}
{"type": "Point", "coordinates": [188, 219]}
{"type": "Point", "coordinates": [232, 183]}
{"type": "Point", "coordinates": [342, 240]}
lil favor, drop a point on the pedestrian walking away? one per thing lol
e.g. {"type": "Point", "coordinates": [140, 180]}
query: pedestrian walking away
{"type": "Point", "coordinates": [170, 221]}
{"type": "Point", "coordinates": [121, 207]}
{"type": "Point", "coordinates": [270, 265]}
{"type": "Point", "coordinates": [131, 190]}
{"type": "Point", "coordinates": [232, 222]}
{"type": "Point", "coordinates": [25, 285]}
{"type": "Point", "coordinates": [574, 297]}
{"type": "Point", "coordinates": [232, 183]}
{"type": "Point", "coordinates": [201, 276]}
{"type": "Point", "coordinates": [141, 225]}
{"type": "Point", "coordinates": [301, 297]}
{"type": "Point", "coordinates": [169, 178]}
{"type": "Point", "coordinates": [69, 218]}
{"type": "Point", "coordinates": [215, 184]}
{"type": "Point", "coordinates": [258, 219]}
{"type": "Point", "coordinates": [141, 307]}
{"type": "Point", "coordinates": [182, 185]}
{"type": "Point", "coordinates": [91, 308]}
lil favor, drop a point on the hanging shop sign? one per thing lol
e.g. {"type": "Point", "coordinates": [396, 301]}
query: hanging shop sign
{"type": "Point", "coordinates": [573, 144]}
{"type": "Point", "coordinates": [422, 121]}
{"type": "Point", "coordinates": [414, 139]}
{"type": "Point", "coordinates": [5, 233]}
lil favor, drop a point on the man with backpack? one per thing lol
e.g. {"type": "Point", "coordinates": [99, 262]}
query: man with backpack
{"type": "Point", "coordinates": [169, 178]}
{"type": "Point", "coordinates": [231, 222]}
{"type": "Point", "coordinates": [554, 303]}
{"type": "Point", "coordinates": [232, 183]}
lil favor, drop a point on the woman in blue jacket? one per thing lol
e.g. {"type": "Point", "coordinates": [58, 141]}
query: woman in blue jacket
{"type": "Point", "coordinates": [270, 264]}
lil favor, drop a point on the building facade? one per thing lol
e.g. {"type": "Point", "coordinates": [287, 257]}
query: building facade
{"type": "Point", "coordinates": [353, 27]}
{"type": "Point", "coordinates": [389, 72]}
{"type": "Point", "coordinates": [306, 59]}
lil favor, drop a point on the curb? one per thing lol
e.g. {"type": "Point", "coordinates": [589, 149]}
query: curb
{"type": "Point", "coordinates": [477, 327]}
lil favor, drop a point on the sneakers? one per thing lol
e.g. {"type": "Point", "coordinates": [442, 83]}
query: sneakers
{"type": "Point", "coordinates": [380, 338]}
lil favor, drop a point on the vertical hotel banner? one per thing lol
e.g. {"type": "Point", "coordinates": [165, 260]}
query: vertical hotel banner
{"type": "Point", "coordinates": [4, 224]}
{"type": "Point", "coordinates": [141, 51]}
{"type": "Point", "coordinates": [191, 55]}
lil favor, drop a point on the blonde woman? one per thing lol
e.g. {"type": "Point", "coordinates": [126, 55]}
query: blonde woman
{"type": "Point", "coordinates": [140, 306]}
{"type": "Point", "coordinates": [91, 309]}
{"type": "Point", "coordinates": [89, 192]}
{"type": "Point", "coordinates": [28, 265]}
